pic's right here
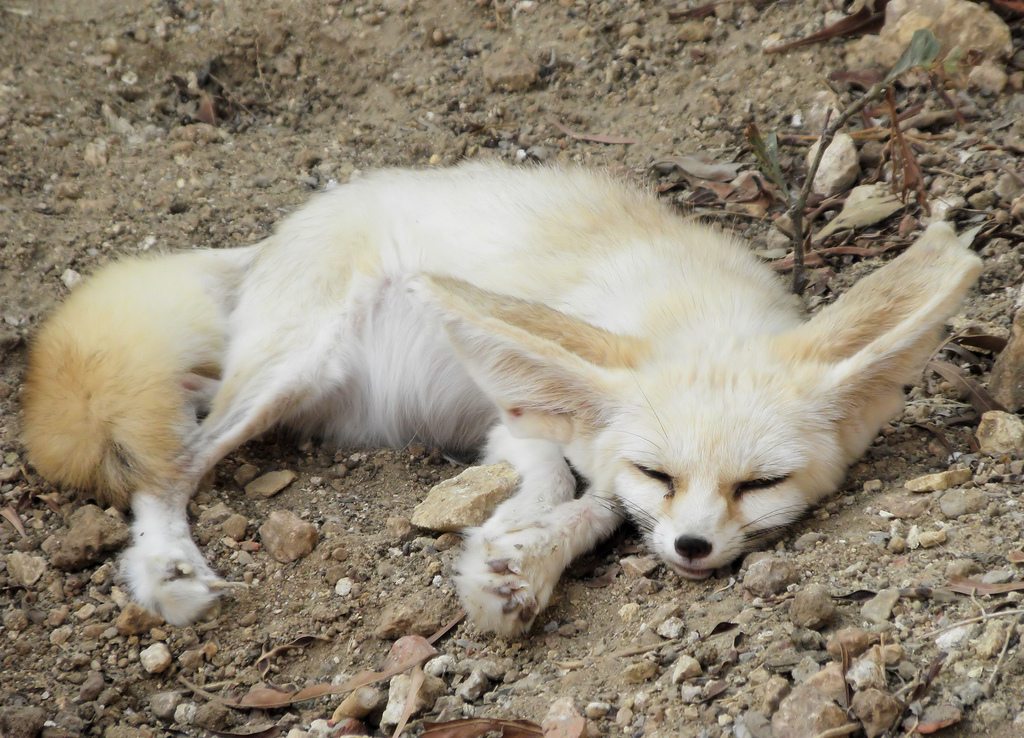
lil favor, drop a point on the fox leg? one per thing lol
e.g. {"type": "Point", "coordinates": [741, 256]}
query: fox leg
{"type": "Point", "coordinates": [511, 564]}
{"type": "Point", "coordinates": [165, 569]}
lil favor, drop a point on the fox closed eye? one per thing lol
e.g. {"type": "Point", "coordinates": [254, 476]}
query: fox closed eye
{"type": "Point", "coordinates": [752, 485]}
{"type": "Point", "coordinates": [659, 476]}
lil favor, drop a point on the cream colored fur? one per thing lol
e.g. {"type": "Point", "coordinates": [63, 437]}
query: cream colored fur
{"type": "Point", "coordinates": [546, 316]}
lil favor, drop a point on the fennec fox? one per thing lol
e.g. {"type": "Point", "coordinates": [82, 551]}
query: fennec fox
{"type": "Point", "coordinates": [556, 319]}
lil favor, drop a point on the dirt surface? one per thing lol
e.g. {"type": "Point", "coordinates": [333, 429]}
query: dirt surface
{"type": "Point", "coordinates": [127, 128]}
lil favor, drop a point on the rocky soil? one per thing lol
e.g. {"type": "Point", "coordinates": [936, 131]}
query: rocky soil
{"type": "Point", "coordinates": [129, 128]}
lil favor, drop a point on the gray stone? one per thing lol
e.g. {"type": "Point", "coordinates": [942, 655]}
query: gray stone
{"type": "Point", "coordinates": [25, 568]}
{"type": "Point", "coordinates": [156, 658]}
{"type": "Point", "coordinates": [956, 637]}
{"type": "Point", "coordinates": [270, 483]}
{"type": "Point", "coordinates": [879, 608]}
{"type": "Point", "coordinates": [1001, 433]}
{"type": "Point", "coordinates": [868, 671]}
{"type": "Point", "coordinates": [957, 503]}
{"type": "Point", "coordinates": [398, 694]}
{"type": "Point", "coordinates": [91, 687]}
{"type": "Point", "coordinates": [636, 567]}
{"type": "Point", "coordinates": [1007, 380]}
{"type": "Point", "coordinates": [811, 708]}
{"type": "Point", "coordinates": [135, 620]}
{"type": "Point", "coordinates": [474, 686]}
{"type": "Point", "coordinates": [686, 667]}
{"type": "Point", "coordinates": [753, 724]}
{"type": "Point", "coordinates": [163, 704]}
{"type": "Point", "coordinates": [412, 616]}
{"type": "Point", "coordinates": [466, 500]}
{"type": "Point", "coordinates": [769, 576]}
{"type": "Point", "coordinates": [954, 22]}
{"type": "Point", "coordinates": [214, 514]}
{"type": "Point", "coordinates": [91, 535]}
{"type": "Point", "coordinates": [510, 69]}
{"type": "Point", "coordinates": [21, 722]}
{"type": "Point", "coordinates": [939, 481]}
{"type": "Point", "coordinates": [855, 640]}
{"type": "Point", "coordinates": [839, 167]}
{"type": "Point", "coordinates": [234, 526]}
{"type": "Point", "coordinates": [360, 703]}
{"type": "Point", "coordinates": [812, 607]}
{"type": "Point", "coordinates": [876, 710]}
{"type": "Point", "coordinates": [288, 537]}
{"type": "Point", "coordinates": [245, 474]}
{"type": "Point", "coordinates": [671, 628]}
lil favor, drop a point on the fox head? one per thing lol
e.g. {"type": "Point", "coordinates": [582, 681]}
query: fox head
{"type": "Point", "coordinates": [712, 448]}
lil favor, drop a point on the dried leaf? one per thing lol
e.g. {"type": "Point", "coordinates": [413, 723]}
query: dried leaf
{"type": "Point", "coordinates": [864, 20]}
{"type": "Point", "coordinates": [447, 627]}
{"type": "Point", "coordinates": [982, 341]}
{"type": "Point", "coordinates": [701, 11]}
{"type": "Point", "coordinates": [921, 51]}
{"type": "Point", "coordinates": [713, 689]}
{"type": "Point", "coordinates": [415, 682]}
{"type": "Point", "coordinates": [1014, 6]}
{"type": "Point", "coordinates": [595, 137]}
{"type": "Point", "coordinates": [977, 395]}
{"type": "Point", "coordinates": [1016, 557]}
{"type": "Point", "coordinates": [206, 112]}
{"type": "Point", "coordinates": [411, 649]}
{"type": "Point", "coordinates": [859, 595]}
{"type": "Point", "coordinates": [971, 587]}
{"type": "Point", "coordinates": [476, 727]}
{"type": "Point", "coordinates": [767, 151]}
{"type": "Point", "coordinates": [267, 698]}
{"type": "Point", "coordinates": [263, 662]}
{"type": "Point", "coordinates": [701, 167]}
{"type": "Point", "coordinates": [907, 174]}
{"type": "Point", "coordinates": [605, 580]}
{"type": "Point", "coordinates": [8, 512]}
{"type": "Point", "coordinates": [864, 206]}
{"type": "Point", "coordinates": [939, 436]}
{"type": "Point", "coordinates": [936, 718]}
{"type": "Point", "coordinates": [261, 731]}
{"type": "Point", "coordinates": [722, 627]}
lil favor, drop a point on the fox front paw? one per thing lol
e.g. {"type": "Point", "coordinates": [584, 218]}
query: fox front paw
{"type": "Point", "coordinates": [505, 580]}
{"type": "Point", "coordinates": [176, 583]}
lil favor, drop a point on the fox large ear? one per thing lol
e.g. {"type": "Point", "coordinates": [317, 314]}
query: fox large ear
{"type": "Point", "coordinates": [879, 335]}
{"type": "Point", "coordinates": [549, 373]}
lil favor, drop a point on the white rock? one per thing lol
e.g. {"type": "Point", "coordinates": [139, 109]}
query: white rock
{"type": "Point", "coordinates": [70, 278]}
{"type": "Point", "coordinates": [686, 667]}
{"type": "Point", "coordinates": [1001, 433]}
{"type": "Point", "coordinates": [940, 481]}
{"type": "Point", "coordinates": [956, 638]}
{"type": "Point", "coordinates": [839, 168]}
{"type": "Point", "coordinates": [398, 692]}
{"type": "Point", "coordinates": [440, 665]}
{"type": "Point", "coordinates": [343, 587]}
{"type": "Point", "coordinates": [473, 687]}
{"type": "Point", "coordinates": [25, 568]}
{"type": "Point", "coordinates": [466, 500]}
{"type": "Point", "coordinates": [671, 628]}
{"type": "Point", "coordinates": [185, 713]}
{"type": "Point", "coordinates": [156, 658]}
{"type": "Point", "coordinates": [629, 611]}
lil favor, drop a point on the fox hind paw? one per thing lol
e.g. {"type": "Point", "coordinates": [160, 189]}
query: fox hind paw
{"type": "Point", "coordinates": [178, 585]}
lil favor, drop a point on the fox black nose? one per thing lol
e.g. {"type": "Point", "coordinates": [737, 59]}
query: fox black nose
{"type": "Point", "coordinates": [692, 547]}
